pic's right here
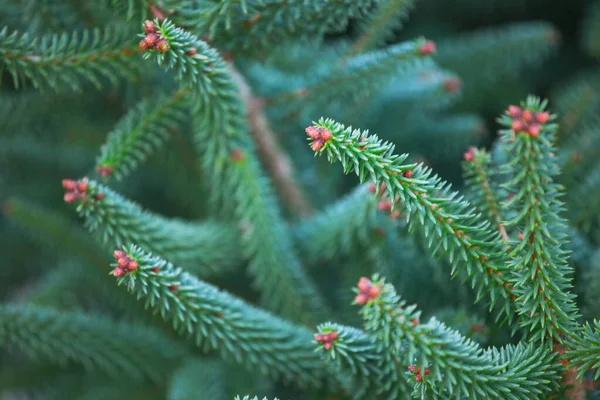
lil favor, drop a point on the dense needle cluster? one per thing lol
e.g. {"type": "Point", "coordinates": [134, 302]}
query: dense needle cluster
{"type": "Point", "coordinates": [240, 255]}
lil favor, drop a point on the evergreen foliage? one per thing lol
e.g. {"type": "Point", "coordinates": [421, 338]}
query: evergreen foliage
{"type": "Point", "coordinates": [172, 136]}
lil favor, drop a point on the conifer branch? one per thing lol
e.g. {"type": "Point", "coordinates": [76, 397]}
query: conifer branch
{"type": "Point", "coordinates": [275, 160]}
{"type": "Point", "coordinates": [140, 133]}
{"type": "Point", "coordinates": [360, 76]}
{"type": "Point", "coordinates": [429, 203]}
{"type": "Point", "coordinates": [252, 26]}
{"type": "Point", "coordinates": [198, 376]}
{"type": "Point", "coordinates": [228, 155]}
{"type": "Point", "coordinates": [91, 341]}
{"type": "Point", "coordinates": [216, 320]}
{"type": "Point", "coordinates": [64, 61]}
{"type": "Point", "coordinates": [445, 363]}
{"type": "Point", "coordinates": [584, 350]}
{"type": "Point", "coordinates": [208, 248]}
{"type": "Point", "coordinates": [335, 231]}
{"type": "Point", "coordinates": [54, 230]}
{"type": "Point", "coordinates": [204, 248]}
{"type": "Point", "coordinates": [539, 264]}
{"type": "Point", "coordinates": [476, 170]}
{"type": "Point", "coordinates": [379, 25]}
{"type": "Point", "coordinates": [356, 355]}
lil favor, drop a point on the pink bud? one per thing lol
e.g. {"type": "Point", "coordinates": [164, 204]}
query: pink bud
{"type": "Point", "coordinates": [534, 130]}
{"type": "Point", "coordinates": [427, 48]}
{"type": "Point", "coordinates": [70, 197]}
{"type": "Point", "coordinates": [132, 265]}
{"type": "Point", "coordinates": [364, 284]}
{"type": "Point", "coordinates": [542, 117]}
{"type": "Point", "coordinates": [517, 125]}
{"type": "Point", "coordinates": [118, 254]}
{"type": "Point", "coordinates": [514, 111]}
{"type": "Point", "coordinates": [361, 299]}
{"type": "Point", "coordinates": [68, 184]}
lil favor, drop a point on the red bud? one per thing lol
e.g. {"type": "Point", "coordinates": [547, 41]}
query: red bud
{"type": "Point", "coordinates": [162, 46]}
{"type": "Point", "coordinates": [132, 265]}
{"type": "Point", "coordinates": [149, 27]}
{"type": "Point", "coordinates": [317, 145]}
{"type": "Point", "coordinates": [117, 254]}
{"type": "Point", "coordinates": [68, 184]}
{"type": "Point", "coordinates": [514, 111]}
{"type": "Point", "coordinates": [82, 186]}
{"type": "Point", "coordinates": [427, 48]}
{"type": "Point", "coordinates": [517, 125]}
{"type": "Point", "coordinates": [373, 292]}
{"type": "Point", "coordinates": [361, 299]}
{"type": "Point", "coordinates": [534, 130]}
{"type": "Point", "coordinates": [70, 197]}
{"type": "Point", "coordinates": [542, 117]}
{"type": "Point", "coordinates": [364, 284]}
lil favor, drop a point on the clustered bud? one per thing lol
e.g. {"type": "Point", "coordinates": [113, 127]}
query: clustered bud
{"type": "Point", "coordinates": [104, 171]}
{"type": "Point", "coordinates": [125, 264]}
{"type": "Point", "coordinates": [417, 373]}
{"type": "Point", "coordinates": [75, 189]}
{"type": "Point", "coordinates": [367, 291]}
{"type": "Point", "coordinates": [469, 155]}
{"type": "Point", "coordinates": [153, 40]}
{"type": "Point", "coordinates": [427, 48]}
{"type": "Point", "coordinates": [320, 136]}
{"type": "Point", "coordinates": [526, 121]}
{"type": "Point", "coordinates": [452, 85]}
{"type": "Point", "coordinates": [327, 339]}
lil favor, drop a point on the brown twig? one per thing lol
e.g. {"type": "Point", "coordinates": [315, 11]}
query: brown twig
{"type": "Point", "coordinates": [577, 389]}
{"type": "Point", "coordinates": [274, 158]}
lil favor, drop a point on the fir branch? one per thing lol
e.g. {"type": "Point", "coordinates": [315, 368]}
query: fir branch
{"type": "Point", "coordinates": [446, 364]}
{"type": "Point", "coordinates": [356, 356]}
{"type": "Point", "coordinates": [64, 61]}
{"type": "Point", "coordinates": [50, 15]}
{"type": "Point", "coordinates": [252, 26]}
{"type": "Point", "coordinates": [584, 350]}
{"type": "Point", "coordinates": [274, 158]}
{"type": "Point", "coordinates": [429, 203]}
{"type": "Point", "coordinates": [216, 320]}
{"type": "Point", "coordinates": [539, 264]}
{"type": "Point", "coordinates": [228, 156]}
{"type": "Point", "coordinates": [338, 229]}
{"type": "Point", "coordinates": [359, 77]}
{"type": "Point", "coordinates": [91, 341]}
{"type": "Point", "coordinates": [476, 170]}
{"type": "Point", "coordinates": [140, 133]}
{"type": "Point", "coordinates": [205, 248]}
{"type": "Point", "coordinates": [381, 23]}
{"type": "Point", "coordinates": [529, 43]}
{"type": "Point", "coordinates": [584, 196]}
{"type": "Point", "coordinates": [576, 102]}
{"type": "Point", "coordinates": [53, 230]}
{"type": "Point", "coordinates": [56, 287]}
{"type": "Point", "coordinates": [198, 376]}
